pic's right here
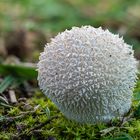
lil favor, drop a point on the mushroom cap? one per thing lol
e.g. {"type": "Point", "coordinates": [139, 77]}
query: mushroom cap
{"type": "Point", "coordinates": [89, 73]}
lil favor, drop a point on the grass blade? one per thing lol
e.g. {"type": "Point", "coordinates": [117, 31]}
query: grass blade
{"type": "Point", "coordinates": [6, 83]}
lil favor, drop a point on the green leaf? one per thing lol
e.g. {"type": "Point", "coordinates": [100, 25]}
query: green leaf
{"type": "Point", "coordinates": [6, 83]}
{"type": "Point", "coordinates": [4, 100]}
{"type": "Point", "coordinates": [5, 105]}
{"type": "Point", "coordinates": [137, 112]}
{"type": "Point", "coordinates": [123, 136]}
{"type": "Point", "coordinates": [24, 72]}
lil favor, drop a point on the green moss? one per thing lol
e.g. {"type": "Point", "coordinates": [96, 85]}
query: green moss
{"type": "Point", "coordinates": [4, 136]}
{"type": "Point", "coordinates": [14, 111]}
{"type": "Point", "coordinates": [61, 128]}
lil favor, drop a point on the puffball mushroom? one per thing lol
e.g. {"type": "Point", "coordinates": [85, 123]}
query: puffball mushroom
{"type": "Point", "coordinates": [89, 73]}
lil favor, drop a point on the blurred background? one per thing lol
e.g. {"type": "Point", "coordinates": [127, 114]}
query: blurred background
{"type": "Point", "coordinates": [26, 25]}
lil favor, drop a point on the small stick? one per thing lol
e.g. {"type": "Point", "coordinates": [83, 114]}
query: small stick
{"type": "Point", "coordinates": [120, 125]}
{"type": "Point", "coordinates": [21, 115]}
{"type": "Point", "coordinates": [43, 124]}
{"type": "Point", "coordinates": [37, 127]}
{"type": "Point", "coordinates": [107, 130]}
{"type": "Point", "coordinates": [12, 96]}
{"type": "Point", "coordinates": [127, 119]}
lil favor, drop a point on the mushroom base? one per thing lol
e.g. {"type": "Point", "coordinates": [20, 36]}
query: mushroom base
{"type": "Point", "coordinates": [84, 117]}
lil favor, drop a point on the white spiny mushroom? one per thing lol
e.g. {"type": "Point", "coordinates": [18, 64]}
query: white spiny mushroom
{"type": "Point", "coordinates": [89, 73]}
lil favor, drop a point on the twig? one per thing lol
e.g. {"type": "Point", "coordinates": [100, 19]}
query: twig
{"type": "Point", "coordinates": [107, 130]}
{"type": "Point", "coordinates": [120, 125]}
{"type": "Point", "coordinates": [12, 96]}
{"type": "Point", "coordinates": [21, 115]}
{"type": "Point", "coordinates": [126, 119]}
{"type": "Point", "coordinates": [43, 124]}
{"type": "Point", "coordinates": [25, 133]}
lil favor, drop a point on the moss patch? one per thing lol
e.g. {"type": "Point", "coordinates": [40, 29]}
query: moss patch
{"type": "Point", "coordinates": [19, 122]}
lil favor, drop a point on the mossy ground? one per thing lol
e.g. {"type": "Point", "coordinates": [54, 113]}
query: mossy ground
{"type": "Point", "coordinates": [27, 119]}
{"type": "Point", "coordinates": [25, 26]}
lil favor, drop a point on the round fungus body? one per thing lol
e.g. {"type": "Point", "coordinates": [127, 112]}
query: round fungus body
{"type": "Point", "coordinates": [89, 73]}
